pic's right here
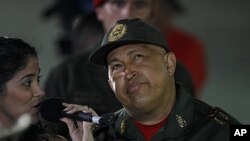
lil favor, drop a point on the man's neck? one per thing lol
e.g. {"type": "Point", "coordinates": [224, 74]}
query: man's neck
{"type": "Point", "coordinates": [159, 114]}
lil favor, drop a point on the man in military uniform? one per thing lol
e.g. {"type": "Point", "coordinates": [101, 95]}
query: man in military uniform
{"type": "Point", "coordinates": [141, 70]}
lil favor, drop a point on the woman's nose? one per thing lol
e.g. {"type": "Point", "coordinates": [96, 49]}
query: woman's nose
{"type": "Point", "coordinates": [38, 92]}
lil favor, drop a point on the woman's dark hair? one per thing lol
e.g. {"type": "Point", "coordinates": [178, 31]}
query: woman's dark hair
{"type": "Point", "coordinates": [14, 54]}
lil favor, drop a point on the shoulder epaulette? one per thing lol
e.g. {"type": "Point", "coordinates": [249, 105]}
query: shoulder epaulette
{"type": "Point", "coordinates": [219, 115]}
{"type": "Point", "coordinates": [215, 113]}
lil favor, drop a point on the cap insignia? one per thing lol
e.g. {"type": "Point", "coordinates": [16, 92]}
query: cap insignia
{"type": "Point", "coordinates": [117, 32]}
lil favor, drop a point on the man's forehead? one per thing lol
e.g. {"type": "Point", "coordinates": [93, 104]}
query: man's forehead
{"type": "Point", "coordinates": [124, 50]}
{"type": "Point", "coordinates": [130, 49]}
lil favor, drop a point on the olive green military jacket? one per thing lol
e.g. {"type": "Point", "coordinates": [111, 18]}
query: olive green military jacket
{"type": "Point", "coordinates": [190, 120]}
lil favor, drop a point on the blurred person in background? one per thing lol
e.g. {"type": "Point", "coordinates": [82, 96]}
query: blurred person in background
{"type": "Point", "coordinates": [188, 49]}
{"type": "Point", "coordinates": [66, 11]}
{"type": "Point", "coordinates": [87, 30]}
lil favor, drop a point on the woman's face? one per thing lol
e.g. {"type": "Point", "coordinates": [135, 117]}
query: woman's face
{"type": "Point", "coordinates": [23, 93]}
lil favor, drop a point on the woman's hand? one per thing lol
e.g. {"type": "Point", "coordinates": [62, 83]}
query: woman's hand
{"type": "Point", "coordinates": [78, 130]}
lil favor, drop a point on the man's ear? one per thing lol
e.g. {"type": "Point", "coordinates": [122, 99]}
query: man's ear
{"type": "Point", "coordinates": [170, 60]}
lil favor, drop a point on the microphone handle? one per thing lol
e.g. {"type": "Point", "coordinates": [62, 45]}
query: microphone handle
{"type": "Point", "coordinates": [81, 116]}
{"type": "Point", "coordinates": [90, 118]}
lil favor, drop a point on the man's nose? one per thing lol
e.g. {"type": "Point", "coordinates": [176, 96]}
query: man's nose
{"type": "Point", "coordinates": [130, 73]}
{"type": "Point", "coordinates": [127, 12]}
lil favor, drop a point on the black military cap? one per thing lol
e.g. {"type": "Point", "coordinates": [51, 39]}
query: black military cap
{"type": "Point", "coordinates": [128, 31]}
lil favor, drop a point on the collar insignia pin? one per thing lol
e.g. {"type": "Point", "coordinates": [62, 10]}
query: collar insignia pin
{"type": "Point", "coordinates": [181, 121]}
{"type": "Point", "coordinates": [122, 127]}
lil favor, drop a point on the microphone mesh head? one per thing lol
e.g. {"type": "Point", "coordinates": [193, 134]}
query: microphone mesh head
{"type": "Point", "coordinates": [51, 109]}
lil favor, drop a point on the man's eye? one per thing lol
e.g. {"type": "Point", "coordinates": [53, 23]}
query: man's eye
{"type": "Point", "coordinates": [119, 3]}
{"type": "Point", "coordinates": [116, 67]}
{"type": "Point", "coordinates": [138, 56]}
{"type": "Point", "coordinates": [140, 4]}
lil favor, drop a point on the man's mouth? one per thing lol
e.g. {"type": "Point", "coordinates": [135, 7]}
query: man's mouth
{"type": "Point", "coordinates": [134, 87]}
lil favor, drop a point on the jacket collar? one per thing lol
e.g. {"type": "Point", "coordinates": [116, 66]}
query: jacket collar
{"type": "Point", "coordinates": [181, 118]}
{"type": "Point", "coordinates": [179, 123]}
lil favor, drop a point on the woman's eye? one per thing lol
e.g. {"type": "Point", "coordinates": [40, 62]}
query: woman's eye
{"type": "Point", "coordinates": [27, 83]}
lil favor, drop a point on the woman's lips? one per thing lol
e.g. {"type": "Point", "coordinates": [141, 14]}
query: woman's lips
{"type": "Point", "coordinates": [37, 104]}
{"type": "Point", "coordinates": [36, 107]}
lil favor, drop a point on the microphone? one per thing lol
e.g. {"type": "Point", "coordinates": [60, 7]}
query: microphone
{"type": "Point", "coordinates": [52, 110]}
